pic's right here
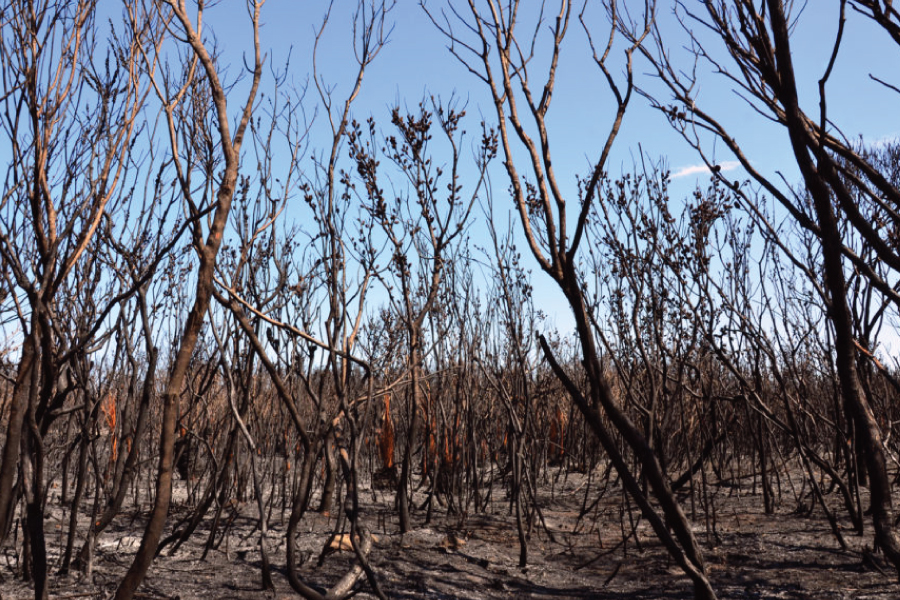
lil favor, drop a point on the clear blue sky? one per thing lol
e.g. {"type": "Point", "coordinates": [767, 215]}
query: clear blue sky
{"type": "Point", "coordinates": [416, 63]}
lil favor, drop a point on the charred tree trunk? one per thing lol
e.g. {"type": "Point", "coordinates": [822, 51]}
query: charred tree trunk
{"type": "Point", "coordinates": [816, 175]}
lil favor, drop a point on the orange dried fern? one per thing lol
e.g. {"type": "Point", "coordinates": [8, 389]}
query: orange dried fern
{"type": "Point", "coordinates": [108, 408]}
{"type": "Point", "coordinates": [386, 436]}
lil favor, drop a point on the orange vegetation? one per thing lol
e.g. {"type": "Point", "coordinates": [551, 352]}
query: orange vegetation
{"type": "Point", "coordinates": [386, 436]}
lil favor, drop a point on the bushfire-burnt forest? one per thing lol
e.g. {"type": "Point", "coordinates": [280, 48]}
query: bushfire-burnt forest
{"type": "Point", "coordinates": [271, 326]}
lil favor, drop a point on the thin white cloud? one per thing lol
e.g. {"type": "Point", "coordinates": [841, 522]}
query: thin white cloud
{"type": "Point", "coordinates": [884, 141]}
{"type": "Point", "coordinates": [728, 165]}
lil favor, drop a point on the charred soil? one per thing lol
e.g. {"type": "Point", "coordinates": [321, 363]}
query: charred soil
{"type": "Point", "coordinates": [584, 543]}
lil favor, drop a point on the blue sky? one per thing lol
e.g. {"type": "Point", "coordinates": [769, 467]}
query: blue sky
{"type": "Point", "coordinates": [416, 63]}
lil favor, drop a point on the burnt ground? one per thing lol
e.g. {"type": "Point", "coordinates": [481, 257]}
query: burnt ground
{"type": "Point", "coordinates": [750, 555]}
